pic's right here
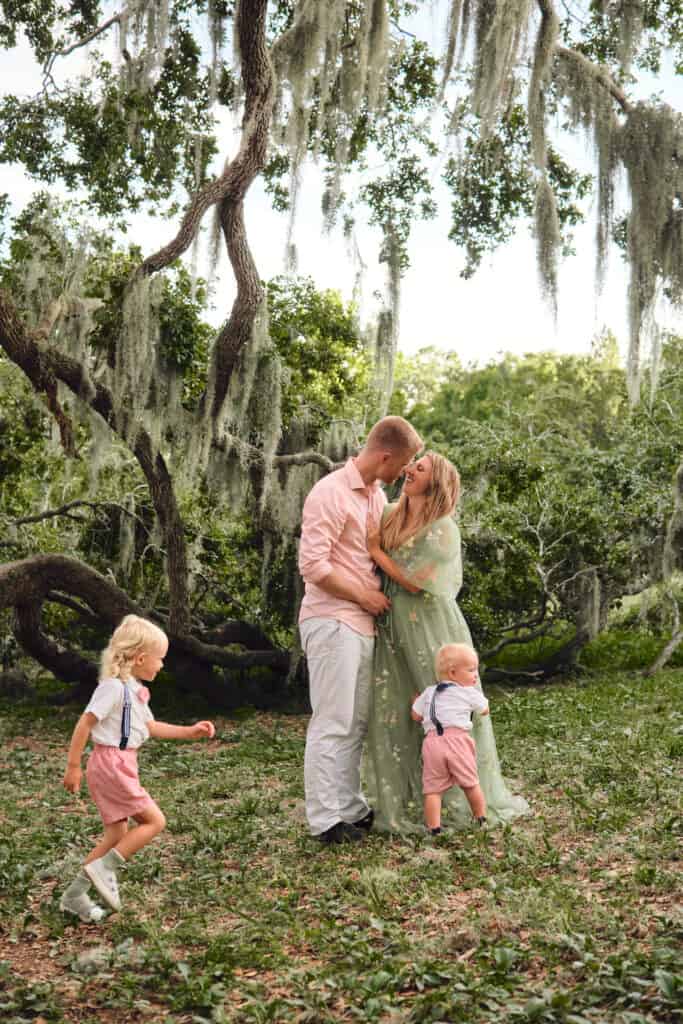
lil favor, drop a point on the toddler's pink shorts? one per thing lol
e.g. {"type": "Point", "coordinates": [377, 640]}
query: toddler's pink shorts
{"type": "Point", "coordinates": [448, 760]}
{"type": "Point", "coordinates": [113, 782]}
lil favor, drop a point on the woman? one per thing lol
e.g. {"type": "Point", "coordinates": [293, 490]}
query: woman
{"type": "Point", "coordinates": [417, 547]}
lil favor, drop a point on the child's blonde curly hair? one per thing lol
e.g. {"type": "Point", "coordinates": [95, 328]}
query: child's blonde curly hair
{"type": "Point", "coordinates": [450, 656]}
{"type": "Point", "coordinates": [132, 636]}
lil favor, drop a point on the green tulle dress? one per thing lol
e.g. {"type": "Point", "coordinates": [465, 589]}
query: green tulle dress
{"type": "Point", "coordinates": [409, 636]}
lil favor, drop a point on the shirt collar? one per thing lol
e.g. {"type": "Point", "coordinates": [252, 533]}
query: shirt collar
{"type": "Point", "coordinates": [355, 480]}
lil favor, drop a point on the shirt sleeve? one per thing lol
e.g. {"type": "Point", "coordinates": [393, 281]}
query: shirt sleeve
{"type": "Point", "coordinates": [432, 560]}
{"type": "Point", "coordinates": [419, 704]}
{"type": "Point", "coordinates": [479, 701]}
{"type": "Point", "coordinates": [105, 698]}
{"type": "Point", "coordinates": [323, 520]}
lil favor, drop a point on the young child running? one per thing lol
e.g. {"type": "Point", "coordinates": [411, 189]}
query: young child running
{"type": "Point", "coordinates": [119, 720]}
{"type": "Point", "coordinates": [449, 756]}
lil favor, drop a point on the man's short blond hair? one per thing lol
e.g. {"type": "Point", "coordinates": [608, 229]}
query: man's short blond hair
{"type": "Point", "coordinates": [450, 656]}
{"type": "Point", "coordinates": [394, 434]}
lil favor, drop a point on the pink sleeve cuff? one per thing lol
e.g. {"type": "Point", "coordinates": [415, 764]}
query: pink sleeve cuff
{"type": "Point", "coordinates": [313, 571]}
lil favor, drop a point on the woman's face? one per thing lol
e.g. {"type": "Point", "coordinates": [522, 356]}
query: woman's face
{"type": "Point", "coordinates": [418, 477]}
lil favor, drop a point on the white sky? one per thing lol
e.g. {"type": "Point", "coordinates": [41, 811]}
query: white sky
{"type": "Point", "coordinates": [499, 309]}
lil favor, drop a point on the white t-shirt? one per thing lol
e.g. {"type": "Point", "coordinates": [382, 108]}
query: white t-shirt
{"type": "Point", "coordinates": [106, 704]}
{"type": "Point", "coordinates": [454, 706]}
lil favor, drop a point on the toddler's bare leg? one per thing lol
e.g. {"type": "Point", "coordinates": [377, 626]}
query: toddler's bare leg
{"type": "Point", "coordinates": [475, 799]}
{"type": "Point", "coordinates": [113, 834]}
{"type": "Point", "coordinates": [432, 810]}
{"type": "Point", "coordinates": [151, 822]}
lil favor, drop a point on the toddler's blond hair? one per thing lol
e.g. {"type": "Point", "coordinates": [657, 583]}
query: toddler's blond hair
{"type": "Point", "coordinates": [449, 657]}
{"type": "Point", "coordinates": [132, 636]}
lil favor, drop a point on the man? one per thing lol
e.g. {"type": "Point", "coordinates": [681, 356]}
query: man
{"type": "Point", "coordinates": [337, 625]}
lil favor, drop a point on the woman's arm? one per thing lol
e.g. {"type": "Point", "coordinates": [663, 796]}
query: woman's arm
{"type": "Point", "coordinates": [385, 563]}
{"type": "Point", "coordinates": [165, 731]}
{"type": "Point", "coordinates": [389, 566]}
{"type": "Point", "coordinates": [79, 738]}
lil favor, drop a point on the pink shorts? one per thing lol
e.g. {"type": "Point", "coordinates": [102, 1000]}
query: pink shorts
{"type": "Point", "coordinates": [448, 760]}
{"type": "Point", "coordinates": [113, 782]}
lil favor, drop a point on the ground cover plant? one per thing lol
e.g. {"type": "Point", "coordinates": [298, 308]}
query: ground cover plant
{"type": "Point", "coordinates": [235, 914]}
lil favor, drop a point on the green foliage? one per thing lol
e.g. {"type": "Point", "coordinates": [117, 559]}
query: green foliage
{"type": "Point", "coordinates": [317, 336]}
{"type": "Point", "coordinates": [493, 186]}
{"type": "Point", "coordinates": [119, 146]}
{"type": "Point", "coordinates": [236, 915]}
{"type": "Point", "coordinates": [563, 486]}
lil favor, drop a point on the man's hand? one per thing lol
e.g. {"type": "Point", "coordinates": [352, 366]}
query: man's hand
{"type": "Point", "coordinates": [374, 601]}
{"type": "Point", "coordinates": [72, 778]}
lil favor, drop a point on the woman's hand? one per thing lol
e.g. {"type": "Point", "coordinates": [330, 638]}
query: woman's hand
{"type": "Point", "coordinates": [200, 729]}
{"type": "Point", "coordinates": [373, 539]}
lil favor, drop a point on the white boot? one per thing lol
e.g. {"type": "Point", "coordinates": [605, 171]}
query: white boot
{"type": "Point", "coordinates": [102, 874]}
{"type": "Point", "coordinates": [75, 900]}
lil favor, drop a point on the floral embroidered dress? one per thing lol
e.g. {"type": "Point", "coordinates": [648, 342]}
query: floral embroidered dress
{"type": "Point", "coordinates": [409, 636]}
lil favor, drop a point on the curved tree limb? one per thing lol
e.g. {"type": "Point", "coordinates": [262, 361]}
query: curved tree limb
{"type": "Point", "coordinates": [66, 511]}
{"type": "Point", "coordinates": [238, 329]}
{"type": "Point", "coordinates": [599, 73]}
{"type": "Point", "coordinates": [64, 664]}
{"type": "Point", "coordinates": [25, 585]}
{"type": "Point", "coordinates": [239, 173]}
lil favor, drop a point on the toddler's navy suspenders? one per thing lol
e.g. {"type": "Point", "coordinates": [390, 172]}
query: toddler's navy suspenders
{"type": "Point", "coordinates": [432, 707]}
{"type": "Point", "coordinates": [125, 718]}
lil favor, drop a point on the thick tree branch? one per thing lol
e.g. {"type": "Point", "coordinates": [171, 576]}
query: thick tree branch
{"type": "Point", "coordinates": [599, 73]}
{"type": "Point", "coordinates": [239, 173]}
{"type": "Point", "coordinates": [63, 663]}
{"type": "Point", "coordinates": [27, 584]}
{"type": "Point", "coordinates": [237, 332]}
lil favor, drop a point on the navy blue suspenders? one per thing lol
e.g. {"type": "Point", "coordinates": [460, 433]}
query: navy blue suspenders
{"type": "Point", "coordinates": [432, 707]}
{"type": "Point", "coordinates": [125, 718]}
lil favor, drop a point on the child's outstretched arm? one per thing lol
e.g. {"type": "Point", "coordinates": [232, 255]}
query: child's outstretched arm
{"type": "Point", "coordinates": [79, 738]}
{"type": "Point", "coordinates": [415, 715]}
{"type": "Point", "coordinates": [166, 731]}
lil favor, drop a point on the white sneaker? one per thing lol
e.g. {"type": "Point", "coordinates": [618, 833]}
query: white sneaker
{"type": "Point", "coordinates": [103, 877]}
{"type": "Point", "coordinates": [83, 907]}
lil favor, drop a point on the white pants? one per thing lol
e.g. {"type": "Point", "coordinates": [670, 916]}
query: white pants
{"type": "Point", "coordinates": [339, 669]}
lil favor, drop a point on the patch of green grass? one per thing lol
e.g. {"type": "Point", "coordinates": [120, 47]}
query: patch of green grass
{"type": "Point", "coordinates": [236, 915]}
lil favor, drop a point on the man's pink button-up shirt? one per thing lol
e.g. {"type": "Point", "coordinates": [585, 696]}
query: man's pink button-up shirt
{"type": "Point", "coordinates": [333, 536]}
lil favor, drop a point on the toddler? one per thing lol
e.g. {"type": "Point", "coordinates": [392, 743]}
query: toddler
{"type": "Point", "coordinates": [119, 720]}
{"type": "Point", "coordinates": [449, 756]}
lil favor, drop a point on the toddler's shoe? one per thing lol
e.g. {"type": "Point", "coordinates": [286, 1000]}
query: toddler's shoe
{"type": "Point", "coordinates": [102, 874]}
{"type": "Point", "coordinates": [83, 907]}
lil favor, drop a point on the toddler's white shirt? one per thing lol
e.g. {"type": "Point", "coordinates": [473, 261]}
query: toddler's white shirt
{"type": "Point", "coordinates": [453, 706]}
{"type": "Point", "coordinates": [106, 704]}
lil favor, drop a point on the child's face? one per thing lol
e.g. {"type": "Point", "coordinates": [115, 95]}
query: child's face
{"type": "Point", "coordinates": [466, 671]}
{"type": "Point", "coordinates": [150, 661]}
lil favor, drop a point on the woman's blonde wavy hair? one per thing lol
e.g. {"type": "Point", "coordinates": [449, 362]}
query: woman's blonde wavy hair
{"type": "Point", "coordinates": [440, 500]}
{"type": "Point", "coordinates": [131, 637]}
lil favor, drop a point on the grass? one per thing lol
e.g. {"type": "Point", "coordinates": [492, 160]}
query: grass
{"type": "Point", "coordinates": [236, 915]}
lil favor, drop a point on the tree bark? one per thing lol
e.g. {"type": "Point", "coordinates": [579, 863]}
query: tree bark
{"type": "Point", "coordinates": [27, 584]}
